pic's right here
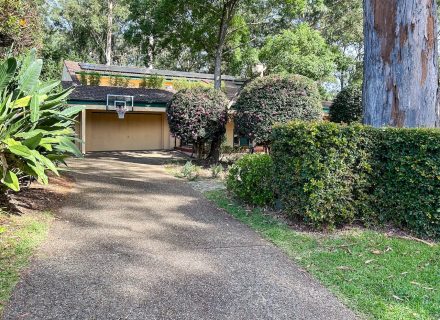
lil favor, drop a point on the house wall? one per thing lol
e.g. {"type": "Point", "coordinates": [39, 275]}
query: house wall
{"type": "Point", "coordinates": [230, 133]}
{"type": "Point", "coordinates": [101, 130]}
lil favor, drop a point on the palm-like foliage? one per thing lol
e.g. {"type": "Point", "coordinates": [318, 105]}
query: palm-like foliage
{"type": "Point", "coordinates": [36, 126]}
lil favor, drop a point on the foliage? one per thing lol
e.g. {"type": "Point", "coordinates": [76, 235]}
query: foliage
{"type": "Point", "coordinates": [21, 26]}
{"type": "Point", "coordinates": [119, 81]}
{"type": "Point", "coordinates": [250, 178]}
{"type": "Point", "coordinates": [347, 107]}
{"type": "Point", "coordinates": [35, 126]}
{"type": "Point", "coordinates": [275, 99]}
{"type": "Point", "coordinates": [301, 50]}
{"type": "Point", "coordinates": [82, 25]}
{"type": "Point", "coordinates": [216, 170]}
{"type": "Point", "coordinates": [180, 84]}
{"type": "Point", "coordinates": [190, 171]}
{"type": "Point", "coordinates": [320, 171]}
{"type": "Point", "coordinates": [195, 23]}
{"type": "Point", "coordinates": [152, 82]}
{"type": "Point", "coordinates": [407, 180]}
{"type": "Point", "coordinates": [378, 275]}
{"type": "Point", "coordinates": [329, 174]}
{"type": "Point", "coordinates": [197, 115]}
{"type": "Point", "coordinates": [90, 78]}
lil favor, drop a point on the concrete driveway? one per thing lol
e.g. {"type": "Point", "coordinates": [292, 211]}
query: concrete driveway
{"type": "Point", "coordinates": [132, 242]}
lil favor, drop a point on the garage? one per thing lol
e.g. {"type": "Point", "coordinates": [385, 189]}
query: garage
{"type": "Point", "coordinates": [137, 131]}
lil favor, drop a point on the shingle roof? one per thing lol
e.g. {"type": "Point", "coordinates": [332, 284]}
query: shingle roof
{"type": "Point", "coordinates": [99, 93]}
{"type": "Point", "coordinates": [232, 85]}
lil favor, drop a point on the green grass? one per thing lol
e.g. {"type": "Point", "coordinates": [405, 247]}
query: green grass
{"type": "Point", "coordinates": [379, 276]}
{"type": "Point", "coordinates": [19, 237]}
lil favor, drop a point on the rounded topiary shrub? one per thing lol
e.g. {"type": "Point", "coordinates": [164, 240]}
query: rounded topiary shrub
{"type": "Point", "coordinates": [275, 99]}
{"type": "Point", "coordinates": [347, 106]}
{"type": "Point", "coordinates": [250, 179]}
{"type": "Point", "coordinates": [197, 115]}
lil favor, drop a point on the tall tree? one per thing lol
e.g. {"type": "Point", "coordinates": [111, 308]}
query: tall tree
{"type": "Point", "coordinates": [108, 46]}
{"type": "Point", "coordinates": [401, 63]}
{"type": "Point", "coordinates": [21, 26]}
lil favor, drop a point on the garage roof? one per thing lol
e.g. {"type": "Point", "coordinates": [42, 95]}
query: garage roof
{"type": "Point", "coordinates": [99, 93]}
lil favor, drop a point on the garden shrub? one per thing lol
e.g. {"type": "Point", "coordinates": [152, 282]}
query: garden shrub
{"type": "Point", "coordinates": [36, 125]}
{"type": "Point", "coordinates": [275, 99]}
{"type": "Point", "coordinates": [250, 178]}
{"type": "Point", "coordinates": [190, 171]}
{"type": "Point", "coordinates": [407, 190]}
{"type": "Point", "coordinates": [152, 82]}
{"type": "Point", "coordinates": [347, 106]}
{"type": "Point", "coordinates": [320, 171]}
{"type": "Point", "coordinates": [329, 174]}
{"type": "Point", "coordinates": [198, 115]}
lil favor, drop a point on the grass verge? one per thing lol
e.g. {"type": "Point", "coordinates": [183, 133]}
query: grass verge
{"type": "Point", "coordinates": [19, 236]}
{"type": "Point", "coordinates": [379, 276]}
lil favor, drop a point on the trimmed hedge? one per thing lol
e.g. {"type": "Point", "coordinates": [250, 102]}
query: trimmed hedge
{"type": "Point", "coordinates": [321, 171]}
{"type": "Point", "coordinates": [250, 178]}
{"type": "Point", "coordinates": [330, 174]}
{"type": "Point", "coordinates": [347, 106]}
{"type": "Point", "coordinates": [275, 99]}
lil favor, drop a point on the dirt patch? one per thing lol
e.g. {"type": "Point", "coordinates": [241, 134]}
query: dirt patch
{"type": "Point", "coordinates": [39, 197]}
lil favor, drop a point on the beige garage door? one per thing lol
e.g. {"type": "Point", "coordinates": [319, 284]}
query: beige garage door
{"type": "Point", "coordinates": [138, 131]}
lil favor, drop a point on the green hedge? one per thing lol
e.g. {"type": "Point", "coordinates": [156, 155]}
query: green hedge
{"type": "Point", "coordinates": [251, 179]}
{"type": "Point", "coordinates": [329, 174]}
{"type": "Point", "coordinates": [407, 190]}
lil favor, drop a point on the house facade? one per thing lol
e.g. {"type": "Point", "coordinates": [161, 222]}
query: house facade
{"type": "Point", "coordinates": [143, 94]}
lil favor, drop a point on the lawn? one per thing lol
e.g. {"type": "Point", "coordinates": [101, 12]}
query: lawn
{"type": "Point", "coordinates": [19, 236]}
{"type": "Point", "coordinates": [379, 276]}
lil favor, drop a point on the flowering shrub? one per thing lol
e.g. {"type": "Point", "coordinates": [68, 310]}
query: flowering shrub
{"type": "Point", "coordinates": [275, 99]}
{"type": "Point", "coordinates": [197, 115]}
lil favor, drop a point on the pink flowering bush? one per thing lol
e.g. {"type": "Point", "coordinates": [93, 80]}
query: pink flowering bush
{"type": "Point", "coordinates": [197, 115]}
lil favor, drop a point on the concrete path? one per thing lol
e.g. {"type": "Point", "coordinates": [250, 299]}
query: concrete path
{"type": "Point", "coordinates": [135, 243]}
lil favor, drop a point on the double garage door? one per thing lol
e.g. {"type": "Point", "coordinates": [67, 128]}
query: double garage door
{"type": "Point", "coordinates": [137, 131]}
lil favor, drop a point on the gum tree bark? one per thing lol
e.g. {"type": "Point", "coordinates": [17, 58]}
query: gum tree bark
{"type": "Point", "coordinates": [108, 47]}
{"type": "Point", "coordinates": [401, 63]}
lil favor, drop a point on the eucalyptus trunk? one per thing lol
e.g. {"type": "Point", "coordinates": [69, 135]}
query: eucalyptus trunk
{"type": "Point", "coordinates": [400, 63]}
{"type": "Point", "coordinates": [108, 47]}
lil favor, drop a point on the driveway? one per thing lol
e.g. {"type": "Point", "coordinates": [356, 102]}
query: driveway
{"type": "Point", "coordinates": [132, 242]}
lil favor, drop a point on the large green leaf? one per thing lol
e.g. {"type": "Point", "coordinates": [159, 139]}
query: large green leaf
{"type": "Point", "coordinates": [39, 171]}
{"type": "Point", "coordinates": [11, 181]}
{"type": "Point", "coordinates": [48, 86]}
{"type": "Point", "coordinates": [71, 111]}
{"type": "Point", "coordinates": [18, 149]}
{"type": "Point", "coordinates": [28, 80]}
{"type": "Point", "coordinates": [22, 102]}
{"type": "Point", "coordinates": [56, 99]}
{"type": "Point", "coordinates": [68, 146]}
{"type": "Point", "coordinates": [35, 108]}
{"type": "Point", "coordinates": [45, 161]}
{"type": "Point", "coordinates": [7, 72]}
{"type": "Point", "coordinates": [33, 142]}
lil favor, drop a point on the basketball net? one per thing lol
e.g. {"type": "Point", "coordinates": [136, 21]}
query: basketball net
{"type": "Point", "coordinates": [121, 110]}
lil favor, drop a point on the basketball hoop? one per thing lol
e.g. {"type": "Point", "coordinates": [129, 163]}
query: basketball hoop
{"type": "Point", "coordinates": [121, 110]}
{"type": "Point", "coordinates": [120, 103]}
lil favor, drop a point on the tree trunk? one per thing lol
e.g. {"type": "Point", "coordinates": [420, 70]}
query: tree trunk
{"type": "Point", "coordinates": [108, 47]}
{"type": "Point", "coordinates": [219, 52]}
{"type": "Point", "coordinates": [400, 63]}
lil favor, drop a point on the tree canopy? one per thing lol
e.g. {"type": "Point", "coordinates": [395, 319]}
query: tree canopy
{"type": "Point", "coordinates": [185, 35]}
